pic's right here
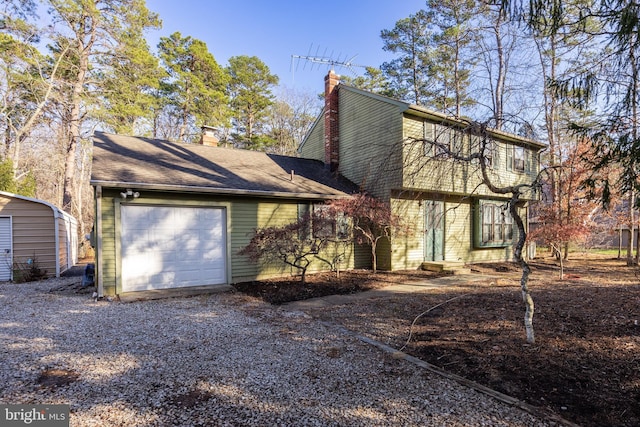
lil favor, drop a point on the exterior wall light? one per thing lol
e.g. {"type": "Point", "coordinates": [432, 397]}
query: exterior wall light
{"type": "Point", "coordinates": [129, 193]}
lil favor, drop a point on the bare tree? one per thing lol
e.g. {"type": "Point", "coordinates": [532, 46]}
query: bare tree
{"type": "Point", "coordinates": [446, 158]}
{"type": "Point", "coordinates": [295, 244]}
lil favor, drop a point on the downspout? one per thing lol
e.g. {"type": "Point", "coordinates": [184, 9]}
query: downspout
{"type": "Point", "coordinates": [70, 243]}
{"type": "Point", "coordinates": [98, 239]}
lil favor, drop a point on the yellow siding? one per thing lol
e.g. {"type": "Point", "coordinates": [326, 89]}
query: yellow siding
{"type": "Point", "coordinates": [108, 253]}
{"type": "Point", "coordinates": [247, 216]}
{"type": "Point", "coordinates": [457, 229]}
{"type": "Point", "coordinates": [408, 251]}
{"type": "Point", "coordinates": [276, 213]}
{"type": "Point", "coordinates": [428, 173]}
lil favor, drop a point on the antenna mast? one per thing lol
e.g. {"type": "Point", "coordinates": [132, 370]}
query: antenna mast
{"type": "Point", "coordinates": [329, 61]}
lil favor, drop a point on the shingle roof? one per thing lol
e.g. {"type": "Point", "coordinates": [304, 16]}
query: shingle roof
{"type": "Point", "coordinates": [156, 164]}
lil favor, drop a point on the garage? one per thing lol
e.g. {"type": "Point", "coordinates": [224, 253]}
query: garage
{"type": "Point", "coordinates": [165, 247]}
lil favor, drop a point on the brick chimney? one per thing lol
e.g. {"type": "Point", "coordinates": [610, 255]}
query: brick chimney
{"type": "Point", "coordinates": [208, 137]}
{"type": "Point", "coordinates": [331, 132]}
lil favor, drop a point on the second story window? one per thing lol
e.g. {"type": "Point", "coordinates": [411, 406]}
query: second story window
{"type": "Point", "coordinates": [518, 159]}
{"type": "Point", "coordinates": [491, 153]}
{"type": "Point", "coordinates": [444, 141]}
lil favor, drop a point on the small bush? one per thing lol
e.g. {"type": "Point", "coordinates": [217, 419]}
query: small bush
{"type": "Point", "coordinates": [28, 271]}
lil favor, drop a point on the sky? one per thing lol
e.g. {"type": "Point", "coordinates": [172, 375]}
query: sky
{"type": "Point", "coordinates": [274, 30]}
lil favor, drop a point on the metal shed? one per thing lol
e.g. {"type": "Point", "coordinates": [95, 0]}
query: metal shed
{"type": "Point", "coordinates": [35, 231]}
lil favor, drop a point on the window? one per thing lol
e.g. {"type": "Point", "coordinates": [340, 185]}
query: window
{"type": "Point", "coordinates": [322, 226]}
{"type": "Point", "coordinates": [491, 153]}
{"type": "Point", "coordinates": [495, 224]}
{"type": "Point", "coordinates": [518, 159]}
{"type": "Point", "coordinates": [441, 140]}
{"type": "Point", "coordinates": [303, 211]}
{"type": "Point", "coordinates": [459, 140]}
{"type": "Point", "coordinates": [428, 132]}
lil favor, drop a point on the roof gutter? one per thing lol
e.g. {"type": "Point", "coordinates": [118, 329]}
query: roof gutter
{"type": "Point", "coordinates": [420, 111]}
{"type": "Point", "coordinates": [222, 191]}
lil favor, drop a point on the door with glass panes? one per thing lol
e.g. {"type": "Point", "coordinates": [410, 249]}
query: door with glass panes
{"type": "Point", "coordinates": [433, 230]}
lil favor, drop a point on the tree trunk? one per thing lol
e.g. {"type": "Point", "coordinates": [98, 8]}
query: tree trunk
{"type": "Point", "coordinates": [374, 257]}
{"type": "Point", "coordinates": [637, 259]}
{"type": "Point", "coordinates": [631, 223]}
{"type": "Point", "coordinates": [634, 133]}
{"type": "Point", "coordinates": [526, 270]}
{"type": "Point", "coordinates": [620, 242]}
{"type": "Point", "coordinates": [522, 235]}
{"type": "Point", "coordinates": [183, 125]}
{"type": "Point", "coordinates": [21, 133]}
{"type": "Point", "coordinates": [500, 81]}
{"type": "Point", "coordinates": [84, 50]}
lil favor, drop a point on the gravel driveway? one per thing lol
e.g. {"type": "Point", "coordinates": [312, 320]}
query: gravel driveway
{"type": "Point", "coordinates": [215, 360]}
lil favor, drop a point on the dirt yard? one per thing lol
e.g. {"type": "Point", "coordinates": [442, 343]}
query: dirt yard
{"type": "Point", "coordinates": [585, 364]}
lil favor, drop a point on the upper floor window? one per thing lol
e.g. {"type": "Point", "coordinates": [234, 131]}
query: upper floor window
{"type": "Point", "coordinates": [519, 159]}
{"type": "Point", "coordinates": [491, 153]}
{"type": "Point", "coordinates": [441, 140]}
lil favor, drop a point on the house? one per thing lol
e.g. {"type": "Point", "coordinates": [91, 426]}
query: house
{"type": "Point", "coordinates": [35, 234]}
{"type": "Point", "coordinates": [396, 151]}
{"type": "Point", "coordinates": [171, 215]}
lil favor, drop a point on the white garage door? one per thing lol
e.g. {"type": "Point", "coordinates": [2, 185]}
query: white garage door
{"type": "Point", "coordinates": [170, 247]}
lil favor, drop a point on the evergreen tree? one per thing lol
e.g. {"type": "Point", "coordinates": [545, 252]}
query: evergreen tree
{"type": "Point", "coordinates": [194, 91]}
{"type": "Point", "coordinates": [373, 80]}
{"type": "Point", "coordinates": [128, 85]}
{"type": "Point", "coordinates": [85, 33]}
{"type": "Point", "coordinates": [250, 89]}
{"type": "Point", "coordinates": [408, 75]}
{"type": "Point", "coordinates": [453, 59]}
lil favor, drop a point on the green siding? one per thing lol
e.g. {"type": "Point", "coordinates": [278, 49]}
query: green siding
{"type": "Point", "coordinates": [426, 173]}
{"type": "Point", "coordinates": [382, 149]}
{"type": "Point", "coordinates": [370, 142]}
{"type": "Point", "coordinates": [407, 252]}
{"type": "Point", "coordinates": [313, 147]}
{"type": "Point", "coordinates": [243, 216]}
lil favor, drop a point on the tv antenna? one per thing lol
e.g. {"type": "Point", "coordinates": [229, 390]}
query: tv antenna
{"type": "Point", "coordinates": [320, 60]}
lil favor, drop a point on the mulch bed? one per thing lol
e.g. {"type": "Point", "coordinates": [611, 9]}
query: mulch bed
{"type": "Point", "coordinates": [279, 291]}
{"type": "Point", "coordinates": [585, 364]}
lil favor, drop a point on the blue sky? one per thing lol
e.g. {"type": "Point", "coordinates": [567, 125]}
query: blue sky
{"type": "Point", "coordinates": [274, 30]}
